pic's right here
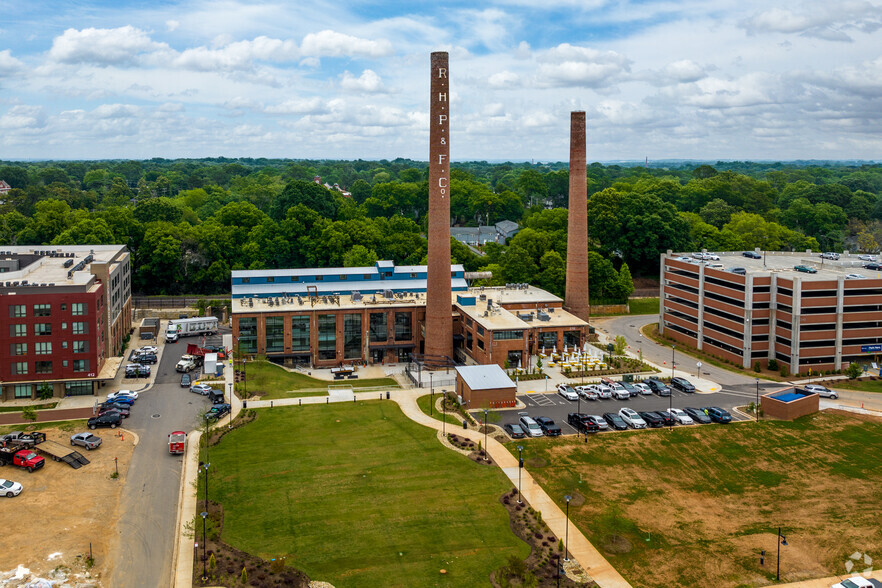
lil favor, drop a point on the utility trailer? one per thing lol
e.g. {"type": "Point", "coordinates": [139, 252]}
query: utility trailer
{"type": "Point", "coordinates": [59, 452]}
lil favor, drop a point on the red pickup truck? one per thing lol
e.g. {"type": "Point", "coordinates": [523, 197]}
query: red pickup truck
{"type": "Point", "coordinates": [23, 458]}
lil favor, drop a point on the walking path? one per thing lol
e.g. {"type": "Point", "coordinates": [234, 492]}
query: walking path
{"type": "Point", "coordinates": [827, 582]}
{"type": "Point", "coordinates": [47, 416]}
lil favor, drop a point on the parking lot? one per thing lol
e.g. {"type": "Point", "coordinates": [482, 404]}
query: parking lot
{"type": "Point", "coordinates": [556, 407]}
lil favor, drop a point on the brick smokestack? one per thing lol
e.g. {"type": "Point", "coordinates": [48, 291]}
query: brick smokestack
{"type": "Point", "coordinates": [439, 317]}
{"type": "Point", "coordinates": [576, 297]}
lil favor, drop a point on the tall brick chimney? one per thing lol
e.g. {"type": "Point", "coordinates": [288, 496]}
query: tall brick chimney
{"type": "Point", "coordinates": [439, 317]}
{"type": "Point", "coordinates": [576, 297]}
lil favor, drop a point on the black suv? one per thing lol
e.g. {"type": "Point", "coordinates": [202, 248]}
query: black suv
{"type": "Point", "coordinates": [682, 384]}
{"type": "Point", "coordinates": [582, 423]}
{"type": "Point", "coordinates": [666, 417]}
{"type": "Point", "coordinates": [615, 421]}
{"type": "Point", "coordinates": [652, 419]}
{"type": "Point", "coordinates": [108, 419]}
{"type": "Point", "coordinates": [145, 358]}
{"type": "Point", "coordinates": [697, 415]}
{"type": "Point", "coordinates": [717, 414]}
{"type": "Point", "coordinates": [137, 371]}
{"type": "Point", "coordinates": [215, 396]}
{"type": "Point", "coordinates": [752, 255]}
{"type": "Point", "coordinates": [658, 386]}
{"type": "Point", "coordinates": [548, 427]}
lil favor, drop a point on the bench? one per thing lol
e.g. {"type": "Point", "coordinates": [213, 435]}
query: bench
{"type": "Point", "coordinates": [353, 376]}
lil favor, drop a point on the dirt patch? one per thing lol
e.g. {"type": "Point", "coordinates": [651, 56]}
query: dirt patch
{"type": "Point", "coordinates": [62, 510]}
{"type": "Point", "coordinates": [616, 544]}
{"type": "Point", "coordinates": [535, 462]}
{"type": "Point", "coordinates": [541, 568]}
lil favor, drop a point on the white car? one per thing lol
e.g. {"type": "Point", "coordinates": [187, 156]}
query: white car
{"type": "Point", "coordinates": [530, 426]}
{"type": "Point", "coordinates": [821, 391]}
{"type": "Point", "coordinates": [854, 582]}
{"type": "Point", "coordinates": [681, 417]}
{"type": "Point", "coordinates": [587, 392]}
{"type": "Point", "coordinates": [619, 392]}
{"type": "Point", "coordinates": [682, 258]}
{"type": "Point", "coordinates": [855, 277]}
{"type": "Point", "coordinates": [147, 349]}
{"type": "Point", "coordinates": [567, 392]}
{"type": "Point", "coordinates": [644, 388]}
{"type": "Point", "coordinates": [603, 391]}
{"type": "Point", "coordinates": [8, 488]}
{"type": "Point", "coordinates": [632, 418]}
{"type": "Point", "coordinates": [867, 257]}
{"type": "Point", "coordinates": [128, 393]}
{"type": "Point", "coordinates": [830, 255]}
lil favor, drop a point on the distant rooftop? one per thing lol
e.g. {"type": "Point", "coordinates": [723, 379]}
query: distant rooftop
{"type": "Point", "coordinates": [782, 263]}
{"type": "Point", "coordinates": [42, 265]}
{"type": "Point", "coordinates": [484, 377]}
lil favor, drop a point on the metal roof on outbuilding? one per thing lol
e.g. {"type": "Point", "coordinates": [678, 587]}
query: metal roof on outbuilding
{"type": "Point", "coordinates": [484, 377]}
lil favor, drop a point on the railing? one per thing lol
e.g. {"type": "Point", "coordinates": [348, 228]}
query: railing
{"type": "Point", "coordinates": [161, 302]}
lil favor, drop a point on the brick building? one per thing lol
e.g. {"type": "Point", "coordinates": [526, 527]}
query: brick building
{"type": "Point", "coordinates": [378, 315]}
{"type": "Point", "coordinates": [485, 386]}
{"type": "Point", "coordinates": [765, 309]}
{"type": "Point", "coordinates": [65, 314]}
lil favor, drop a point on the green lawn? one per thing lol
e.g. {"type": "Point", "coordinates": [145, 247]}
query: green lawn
{"type": "Point", "coordinates": [861, 385]}
{"type": "Point", "coordinates": [360, 496]}
{"type": "Point", "coordinates": [272, 381]}
{"type": "Point", "coordinates": [46, 406]}
{"type": "Point", "coordinates": [450, 417]}
{"type": "Point", "coordinates": [708, 497]}
{"type": "Point", "coordinates": [636, 306]}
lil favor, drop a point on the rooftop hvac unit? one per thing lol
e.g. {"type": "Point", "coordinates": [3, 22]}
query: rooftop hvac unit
{"type": "Point", "coordinates": [489, 302]}
{"type": "Point", "coordinates": [356, 296]}
{"type": "Point", "coordinates": [24, 282]}
{"type": "Point", "coordinates": [486, 313]}
{"type": "Point", "coordinates": [68, 263]}
{"type": "Point", "coordinates": [482, 296]}
{"type": "Point", "coordinates": [388, 294]}
{"type": "Point", "coordinates": [542, 316]}
{"type": "Point", "coordinates": [551, 310]}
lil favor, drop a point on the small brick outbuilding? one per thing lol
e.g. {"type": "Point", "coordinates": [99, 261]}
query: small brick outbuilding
{"type": "Point", "coordinates": [485, 386]}
{"type": "Point", "coordinates": [790, 403]}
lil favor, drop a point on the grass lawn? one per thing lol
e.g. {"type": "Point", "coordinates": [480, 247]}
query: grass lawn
{"type": "Point", "coordinates": [636, 306]}
{"type": "Point", "coordinates": [694, 506]}
{"type": "Point", "coordinates": [272, 381]}
{"type": "Point", "coordinates": [34, 406]}
{"type": "Point", "coordinates": [359, 495]}
{"type": "Point", "coordinates": [862, 385]}
{"type": "Point", "coordinates": [450, 417]}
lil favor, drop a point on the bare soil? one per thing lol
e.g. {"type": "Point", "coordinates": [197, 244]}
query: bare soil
{"type": "Point", "coordinates": [61, 511]}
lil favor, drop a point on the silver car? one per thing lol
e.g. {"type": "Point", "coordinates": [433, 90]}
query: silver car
{"type": "Point", "coordinates": [821, 391]}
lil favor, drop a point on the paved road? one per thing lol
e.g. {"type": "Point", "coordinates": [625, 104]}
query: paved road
{"type": "Point", "coordinates": [149, 502]}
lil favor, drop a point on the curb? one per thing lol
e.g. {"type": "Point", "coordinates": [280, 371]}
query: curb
{"type": "Point", "coordinates": [182, 567]}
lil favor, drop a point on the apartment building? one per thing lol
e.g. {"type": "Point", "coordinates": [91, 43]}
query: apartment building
{"type": "Point", "coordinates": [806, 312]}
{"type": "Point", "coordinates": [65, 314]}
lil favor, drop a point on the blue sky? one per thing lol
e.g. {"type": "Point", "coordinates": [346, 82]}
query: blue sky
{"type": "Point", "coordinates": [712, 79]}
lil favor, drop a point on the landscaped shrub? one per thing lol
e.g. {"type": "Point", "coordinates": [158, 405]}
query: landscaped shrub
{"type": "Point", "coordinates": [773, 365]}
{"type": "Point", "coordinates": [784, 371]}
{"type": "Point", "coordinates": [756, 367]}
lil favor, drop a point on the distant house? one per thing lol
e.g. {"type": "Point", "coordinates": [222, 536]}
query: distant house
{"type": "Point", "coordinates": [478, 236]}
{"type": "Point", "coordinates": [4, 188]}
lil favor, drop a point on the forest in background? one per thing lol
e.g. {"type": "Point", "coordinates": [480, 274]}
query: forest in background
{"type": "Point", "coordinates": [188, 223]}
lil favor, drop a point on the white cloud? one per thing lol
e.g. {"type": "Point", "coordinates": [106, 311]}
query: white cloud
{"type": "Point", "coordinates": [684, 71]}
{"type": "Point", "coordinates": [120, 46]}
{"type": "Point", "coordinates": [333, 44]}
{"type": "Point", "coordinates": [237, 56]}
{"type": "Point", "coordinates": [8, 63]}
{"type": "Point", "coordinates": [750, 90]}
{"type": "Point", "coordinates": [569, 65]}
{"type": "Point", "coordinates": [368, 82]}
{"type": "Point", "coordinates": [23, 117]}
{"type": "Point", "coordinates": [313, 105]}
{"type": "Point", "coordinates": [172, 25]}
{"type": "Point", "coordinates": [504, 79]}
{"type": "Point", "coordinates": [829, 21]}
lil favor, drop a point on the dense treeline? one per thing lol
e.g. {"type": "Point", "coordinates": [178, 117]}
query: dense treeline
{"type": "Point", "coordinates": [189, 223]}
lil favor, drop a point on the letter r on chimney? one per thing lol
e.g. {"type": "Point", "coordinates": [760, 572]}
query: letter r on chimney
{"type": "Point", "coordinates": [442, 72]}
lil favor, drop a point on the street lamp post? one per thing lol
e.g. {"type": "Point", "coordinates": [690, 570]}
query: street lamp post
{"type": "Point", "coordinates": [230, 425]}
{"type": "Point", "coordinates": [673, 353]}
{"type": "Point", "coordinates": [781, 540]}
{"type": "Point", "coordinates": [567, 542]}
{"type": "Point", "coordinates": [520, 467]}
{"type": "Point", "coordinates": [204, 574]}
{"type": "Point", "coordinates": [444, 414]}
{"type": "Point", "coordinates": [205, 469]}
{"type": "Point", "coordinates": [756, 408]}
{"type": "Point", "coordinates": [486, 455]}
{"type": "Point", "coordinates": [431, 393]}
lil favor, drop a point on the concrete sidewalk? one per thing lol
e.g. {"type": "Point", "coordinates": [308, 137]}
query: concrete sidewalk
{"type": "Point", "coordinates": [828, 582]}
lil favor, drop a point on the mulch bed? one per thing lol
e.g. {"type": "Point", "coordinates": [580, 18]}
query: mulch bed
{"type": "Point", "coordinates": [546, 551]}
{"type": "Point", "coordinates": [228, 562]}
{"type": "Point", "coordinates": [476, 456]}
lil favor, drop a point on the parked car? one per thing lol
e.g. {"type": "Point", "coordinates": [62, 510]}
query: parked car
{"type": "Point", "coordinates": [8, 488]}
{"type": "Point", "coordinates": [822, 391]}
{"type": "Point", "coordinates": [136, 370]}
{"type": "Point", "coordinates": [548, 427]}
{"type": "Point", "coordinates": [697, 415]}
{"type": "Point", "coordinates": [631, 388]}
{"type": "Point", "coordinates": [110, 404]}
{"type": "Point", "coordinates": [867, 257]}
{"type": "Point", "coordinates": [530, 426]}
{"type": "Point", "coordinates": [643, 388]}
{"type": "Point", "coordinates": [514, 431]}
{"type": "Point", "coordinates": [122, 412]}
{"type": "Point", "coordinates": [632, 418]}
{"type": "Point", "coordinates": [681, 417]}
{"type": "Point", "coordinates": [618, 391]}
{"type": "Point", "coordinates": [658, 387]}
{"type": "Point", "coordinates": [683, 258]}
{"type": "Point", "coordinates": [717, 414]}
{"type": "Point", "coordinates": [582, 423]}
{"type": "Point", "coordinates": [682, 384]}
{"type": "Point", "coordinates": [652, 419]}
{"type": "Point", "coordinates": [215, 396]}
{"type": "Point", "coordinates": [112, 420]}
{"type": "Point", "coordinates": [604, 392]}
{"type": "Point", "coordinates": [217, 411]}
{"type": "Point", "coordinates": [122, 393]}
{"type": "Point", "coordinates": [567, 392]}
{"type": "Point", "coordinates": [87, 440]}
{"type": "Point", "coordinates": [185, 380]}
{"type": "Point", "coordinates": [203, 389]}
{"type": "Point", "coordinates": [667, 417]}
{"type": "Point", "coordinates": [23, 439]}
{"type": "Point", "coordinates": [615, 421]}
{"type": "Point", "coordinates": [148, 349]}
{"type": "Point", "coordinates": [741, 271]}
{"type": "Point", "coordinates": [587, 392]}
{"type": "Point", "coordinates": [752, 255]}
{"type": "Point", "coordinates": [805, 269]}
{"type": "Point", "coordinates": [144, 358]}
{"type": "Point", "coordinates": [873, 266]}
{"type": "Point", "coordinates": [599, 421]}
{"type": "Point", "coordinates": [857, 582]}
{"type": "Point", "coordinates": [829, 255]}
